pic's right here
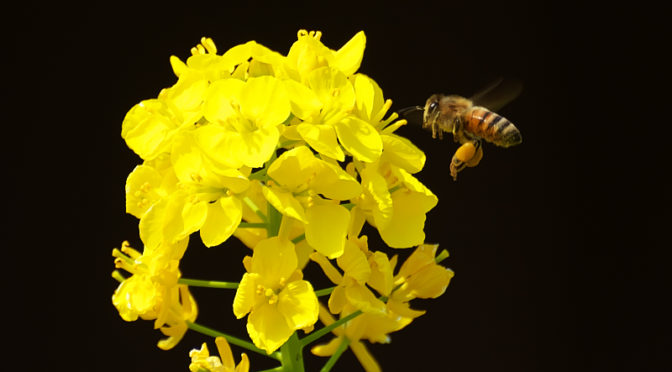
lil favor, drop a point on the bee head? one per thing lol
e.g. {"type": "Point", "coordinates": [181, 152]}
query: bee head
{"type": "Point", "coordinates": [432, 111]}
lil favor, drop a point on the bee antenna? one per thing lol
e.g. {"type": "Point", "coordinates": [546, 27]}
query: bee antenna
{"type": "Point", "coordinates": [406, 110]}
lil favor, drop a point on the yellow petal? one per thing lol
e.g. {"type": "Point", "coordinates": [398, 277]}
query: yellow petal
{"type": "Point", "coordinates": [304, 102]}
{"type": "Point", "coordinates": [285, 203]}
{"type": "Point", "coordinates": [333, 89]}
{"type": "Point", "coordinates": [223, 219]}
{"type": "Point", "coordinates": [295, 168]}
{"type": "Point", "coordinates": [268, 328]}
{"type": "Point", "coordinates": [275, 261]}
{"type": "Point", "coordinates": [327, 349]}
{"type": "Point", "coordinates": [254, 148]}
{"type": "Point", "coordinates": [363, 299]}
{"type": "Point", "coordinates": [146, 128]}
{"type": "Point", "coordinates": [430, 282]}
{"type": "Point", "coordinates": [326, 228]}
{"type": "Point", "coordinates": [142, 190]}
{"type": "Point", "coordinates": [365, 358]}
{"type": "Point", "coordinates": [222, 99]}
{"type": "Point", "coordinates": [298, 303]}
{"type": "Point", "coordinates": [354, 263]}
{"type": "Point", "coordinates": [335, 183]}
{"type": "Point", "coordinates": [322, 138]}
{"type": "Point", "coordinates": [378, 196]}
{"type": "Point", "coordinates": [382, 278]}
{"type": "Point", "coordinates": [422, 256]}
{"type": "Point", "coordinates": [219, 145]}
{"type": "Point", "coordinates": [359, 138]}
{"type": "Point", "coordinates": [194, 215]}
{"type": "Point", "coordinates": [244, 365]}
{"type": "Point", "coordinates": [369, 97]}
{"type": "Point", "coordinates": [349, 57]}
{"type": "Point", "coordinates": [406, 228]}
{"type": "Point", "coordinates": [337, 300]}
{"type": "Point", "coordinates": [245, 295]}
{"type": "Point", "coordinates": [328, 269]}
{"type": "Point", "coordinates": [225, 353]}
{"type": "Point", "coordinates": [402, 153]}
{"type": "Point", "coordinates": [264, 101]}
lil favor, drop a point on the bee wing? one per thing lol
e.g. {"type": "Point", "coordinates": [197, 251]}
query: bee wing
{"type": "Point", "coordinates": [498, 93]}
{"type": "Point", "coordinates": [413, 114]}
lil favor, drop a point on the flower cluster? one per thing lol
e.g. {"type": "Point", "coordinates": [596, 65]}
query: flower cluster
{"type": "Point", "coordinates": [291, 154]}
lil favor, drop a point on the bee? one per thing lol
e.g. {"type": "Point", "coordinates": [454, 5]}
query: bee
{"type": "Point", "coordinates": [470, 123]}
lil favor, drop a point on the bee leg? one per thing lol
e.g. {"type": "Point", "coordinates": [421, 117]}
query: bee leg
{"type": "Point", "coordinates": [467, 155]}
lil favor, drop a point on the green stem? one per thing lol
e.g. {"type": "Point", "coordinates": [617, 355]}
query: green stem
{"type": "Point", "coordinates": [334, 358]}
{"type": "Point", "coordinates": [324, 330]}
{"type": "Point", "coordinates": [231, 339]}
{"type": "Point", "coordinates": [255, 209]}
{"type": "Point", "coordinates": [207, 283]}
{"type": "Point", "coordinates": [299, 238]}
{"type": "Point", "coordinates": [324, 292]}
{"type": "Point", "coordinates": [276, 369]}
{"type": "Point", "coordinates": [292, 354]}
{"type": "Point", "coordinates": [253, 225]}
{"type": "Point", "coordinates": [274, 220]}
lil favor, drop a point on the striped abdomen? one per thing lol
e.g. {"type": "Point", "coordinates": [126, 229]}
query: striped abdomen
{"type": "Point", "coordinates": [491, 127]}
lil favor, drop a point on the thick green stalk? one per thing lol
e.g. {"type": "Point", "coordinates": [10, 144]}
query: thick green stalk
{"type": "Point", "coordinates": [292, 354]}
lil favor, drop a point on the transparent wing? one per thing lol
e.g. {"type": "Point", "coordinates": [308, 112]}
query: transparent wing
{"type": "Point", "coordinates": [498, 93]}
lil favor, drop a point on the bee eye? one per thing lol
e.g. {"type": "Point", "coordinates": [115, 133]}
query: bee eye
{"type": "Point", "coordinates": [432, 106]}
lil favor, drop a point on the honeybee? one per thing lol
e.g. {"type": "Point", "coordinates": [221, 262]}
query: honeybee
{"type": "Point", "coordinates": [470, 123]}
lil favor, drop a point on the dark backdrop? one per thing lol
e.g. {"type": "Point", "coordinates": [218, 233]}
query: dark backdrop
{"type": "Point", "coordinates": [556, 244]}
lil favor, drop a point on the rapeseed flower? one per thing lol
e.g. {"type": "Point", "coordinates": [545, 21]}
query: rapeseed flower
{"type": "Point", "coordinates": [291, 155]}
{"type": "Point", "coordinates": [274, 295]}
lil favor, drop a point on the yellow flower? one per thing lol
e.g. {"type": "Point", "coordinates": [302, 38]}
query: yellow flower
{"type": "Point", "coordinates": [152, 291]}
{"type": "Point", "coordinates": [298, 171]}
{"type": "Point", "coordinates": [275, 296]}
{"type": "Point", "coordinates": [149, 183]}
{"type": "Point", "coordinates": [201, 359]}
{"type": "Point", "coordinates": [308, 53]}
{"type": "Point", "coordinates": [420, 276]}
{"type": "Point", "coordinates": [399, 215]}
{"type": "Point", "coordinates": [245, 117]}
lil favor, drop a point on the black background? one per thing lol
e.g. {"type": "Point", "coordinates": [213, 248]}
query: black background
{"type": "Point", "coordinates": [557, 244]}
